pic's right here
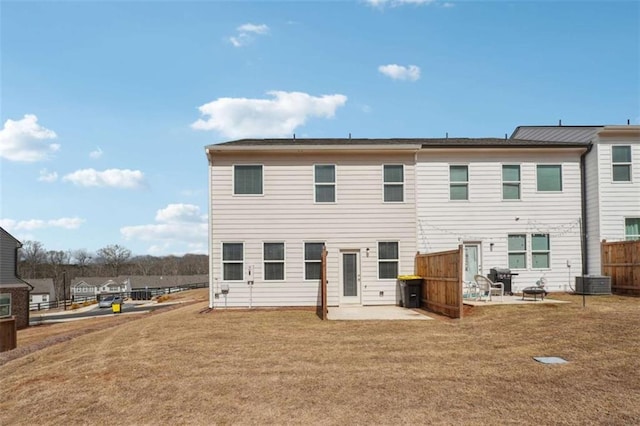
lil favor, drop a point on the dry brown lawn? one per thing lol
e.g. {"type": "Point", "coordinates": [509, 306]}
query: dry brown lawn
{"type": "Point", "coordinates": [288, 367]}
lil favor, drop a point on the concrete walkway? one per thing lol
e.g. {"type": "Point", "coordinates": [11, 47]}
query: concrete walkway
{"type": "Point", "coordinates": [380, 313]}
{"type": "Point", "coordinates": [511, 300]}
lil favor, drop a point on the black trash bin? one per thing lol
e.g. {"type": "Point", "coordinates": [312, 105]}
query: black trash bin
{"type": "Point", "coordinates": [504, 276]}
{"type": "Point", "coordinates": [411, 293]}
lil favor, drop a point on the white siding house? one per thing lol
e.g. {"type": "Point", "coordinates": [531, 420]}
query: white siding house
{"type": "Point", "coordinates": [273, 203]}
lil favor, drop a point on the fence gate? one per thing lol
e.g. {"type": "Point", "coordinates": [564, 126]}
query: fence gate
{"type": "Point", "coordinates": [441, 281]}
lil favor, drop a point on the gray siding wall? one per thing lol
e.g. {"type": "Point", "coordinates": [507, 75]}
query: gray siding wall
{"type": "Point", "coordinates": [8, 247]}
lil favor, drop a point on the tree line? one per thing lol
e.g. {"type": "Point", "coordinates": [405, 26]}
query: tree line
{"type": "Point", "coordinates": [35, 261]}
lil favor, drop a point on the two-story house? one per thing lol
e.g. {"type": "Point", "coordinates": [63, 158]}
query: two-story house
{"type": "Point", "coordinates": [14, 292]}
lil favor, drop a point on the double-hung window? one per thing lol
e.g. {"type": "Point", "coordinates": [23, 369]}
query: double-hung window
{"type": "Point", "coordinates": [549, 177]}
{"type": "Point", "coordinates": [325, 183]}
{"type": "Point", "coordinates": [458, 182]}
{"type": "Point", "coordinates": [247, 179]}
{"type": "Point", "coordinates": [632, 228]}
{"type": "Point", "coordinates": [511, 182]}
{"type": "Point", "coordinates": [517, 249]}
{"type": "Point", "coordinates": [232, 261]}
{"type": "Point", "coordinates": [388, 260]}
{"type": "Point", "coordinates": [393, 183]}
{"type": "Point", "coordinates": [5, 305]}
{"type": "Point", "coordinates": [273, 254]}
{"type": "Point", "coordinates": [621, 163]}
{"type": "Point", "coordinates": [313, 260]}
{"type": "Point", "coordinates": [540, 251]}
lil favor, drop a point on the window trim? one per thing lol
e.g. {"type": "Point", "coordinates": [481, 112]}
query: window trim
{"type": "Point", "coordinates": [624, 231]}
{"type": "Point", "coordinates": [6, 305]}
{"type": "Point", "coordinates": [629, 164]}
{"type": "Point", "coordinates": [548, 252]}
{"type": "Point", "coordinates": [512, 182]}
{"type": "Point", "coordinates": [525, 251]}
{"type": "Point", "coordinates": [222, 261]}
{"type": "Point", "coordinates": [397, 260]}
{"type": "Point", "coordinates": [233, 180]}
{"type": "Point", "coordinates": [555, 191]}
{"type": "Point", "coordinates": [334, 184]}
{"type": "Point", "coordinates": [460, 183]}
{"type": "Point", "coordinates": [401, 184]}
{"type": "Point", "coordinates": [283, 261]}
{"type": "Point", "coordinates": [305, 261]}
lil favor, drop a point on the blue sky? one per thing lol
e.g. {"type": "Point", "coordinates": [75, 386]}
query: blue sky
{"type": "Point", "coordinates": [106, 107]}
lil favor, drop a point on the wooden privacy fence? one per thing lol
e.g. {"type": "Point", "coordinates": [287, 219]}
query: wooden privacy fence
{"type": "Point", "coordinates": [322, 309]}
{"type": "Point", "coordinates": [441, 281]}
{"type": "Point", "coordinates": [8, 334]}
{"type": "Point", "coordinates": [621, 262]}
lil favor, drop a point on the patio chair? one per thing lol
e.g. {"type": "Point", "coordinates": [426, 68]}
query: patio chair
{"type": "Point", "coordinates": [469, 290]}
{"type": "Point", "coordinates": [486, 288]}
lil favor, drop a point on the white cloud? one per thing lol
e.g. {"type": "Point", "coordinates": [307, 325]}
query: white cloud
{"type": "Point", "coordinates": [246, 34]}
{"type": "Point", "coordinates": [96, 153]}
{"type": "Point", "coordinates": [25, 140]}
{"type": "Point", "coordinates": [114, 178]}
{"type": "Point", "coordinates": [397, 3]}
{"type": "Point", "coordinates": [33, 224]}
{"type": "Point", "coordinates": [45, 176]}
{"type": "Point", "coordinates": [177, 225]}
{"type": "Point", "coordinates": [400, 72]}
{"type": "Point", "coordinates": [277, 117]}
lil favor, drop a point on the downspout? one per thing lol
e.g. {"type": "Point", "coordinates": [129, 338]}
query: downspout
{"type": "Point", "coordinates": [210, 239]}
{"type": "Point", "coordinates": [583, 202]}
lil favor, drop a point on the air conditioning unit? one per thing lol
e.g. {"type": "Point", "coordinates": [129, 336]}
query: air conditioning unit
{"type": "Point", "coordinates": [593, 284]}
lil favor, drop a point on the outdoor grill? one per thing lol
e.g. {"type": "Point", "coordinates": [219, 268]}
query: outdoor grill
{"type": "Point", "coordinates": [504, 276]}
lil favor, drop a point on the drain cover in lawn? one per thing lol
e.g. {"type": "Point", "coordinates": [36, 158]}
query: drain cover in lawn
{"type": "Point", "coordinates": [550, 359]}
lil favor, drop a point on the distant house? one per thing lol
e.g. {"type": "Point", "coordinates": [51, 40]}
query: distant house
{"type": "Point", "coordinates": [14, 292]}
{"type": "Point", "coordinates": [90, 287]}
{"type": "Point", "coordinates": [43, 293]}
{"type": "Point", "coordinates": [514, 203]}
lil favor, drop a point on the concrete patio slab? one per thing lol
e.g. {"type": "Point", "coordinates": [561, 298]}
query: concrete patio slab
{"type": "Point", "coordinates": [364, 313]}
{"type": "Point", "coordinates": [511, 300]}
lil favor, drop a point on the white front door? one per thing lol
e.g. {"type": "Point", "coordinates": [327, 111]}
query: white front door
{"type": "Point", "coordinates": [471, 261]}
{"type": "Point", "coordinates": [350, 277]}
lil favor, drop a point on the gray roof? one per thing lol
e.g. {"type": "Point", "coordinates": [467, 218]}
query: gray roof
{"type": "Point", "coordinates": [557, 133]}
{"type": "Point", "coordinates": [42, 286]}
{"type": "Point", "coordinates": [142, 281]}
{"type": "Point", "coordinates": [416, 142]}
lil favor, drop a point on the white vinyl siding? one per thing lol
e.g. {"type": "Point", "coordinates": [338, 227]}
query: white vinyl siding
{"type": "Point", "coordinates": [274, 263]}
{"type": "Point", "coordinates": [325, 183]}
{"type": "Point", "coordinates": [540, 251]}
{"type": "Point", "coordinates": [517, 250]}
{"type": "Point", "coordinates": [511, 182]}
{"type": "Point", "coordinates": [549, 177]}
{"type": "Point", "coordinates": [247, 180]}
{"type": "Point", "coordinates": [621, 163]}
{"type": "Point", "coordinates": [458, 182]}
{"type": "Point", "coordinates": [233, 261]}
{"type": "Point", "coordinates": [388, 258]}
{"type": "Point", "coordinates": [632, 228]}
{"type": "Point", "coordinates": [393, 186]}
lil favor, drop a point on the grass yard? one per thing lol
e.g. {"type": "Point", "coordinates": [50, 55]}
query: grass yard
{"type": "Point", "coordinates": [286, 366]}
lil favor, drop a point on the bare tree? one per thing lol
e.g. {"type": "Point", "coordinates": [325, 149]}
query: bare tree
{"type": "Point", "coordinates": [32, 256]}
{"type": "Point", "coordinates": [82, 258]}
{"type": "Point", "coordinates": [58, 260]}
{"type": "Point", "coordinates": [145, 263]}
{"type": "Point", "coordinates": [114, 256]}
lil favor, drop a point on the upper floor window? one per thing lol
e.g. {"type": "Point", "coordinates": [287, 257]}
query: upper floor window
{"type": "Point", "coordinates": [247, 179]}
{"type": "Point", "coordinates": [388, 259]}
{"type": "Point", "coordinates": [511, 182]}
{"type": "Point", "coordinates": [325, 183]}
{"type": "Point", "coordinates": [632, 228]}
{"type": "Point", "coordinates": [540, 251]}
{"type": "Point", "coordinates": [517, 248]}
{"type": "Point", "coordinates": [393, 183]}
{"type": "Point", "coordinates": [313, 260]}
{"type": "Point", "coordinates": [549, 178]}
{"type": "Point", "coordinates": [621, 163]}
{"type": "Point", "coordinates": [458, 182]}
{"type": "Point", "coordinates": [273, 261]}
{"type": "Point", "coordinates": [232, 261]}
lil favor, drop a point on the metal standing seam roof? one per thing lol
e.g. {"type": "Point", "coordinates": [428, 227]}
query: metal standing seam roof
{"type": "Point", "coordinates": [557, 133]}
{"type": "Point", "coordinates": [416, 142]}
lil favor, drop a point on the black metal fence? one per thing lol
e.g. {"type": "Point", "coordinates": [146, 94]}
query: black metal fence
{"type": "Point", "coordinates": [135, 294]}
